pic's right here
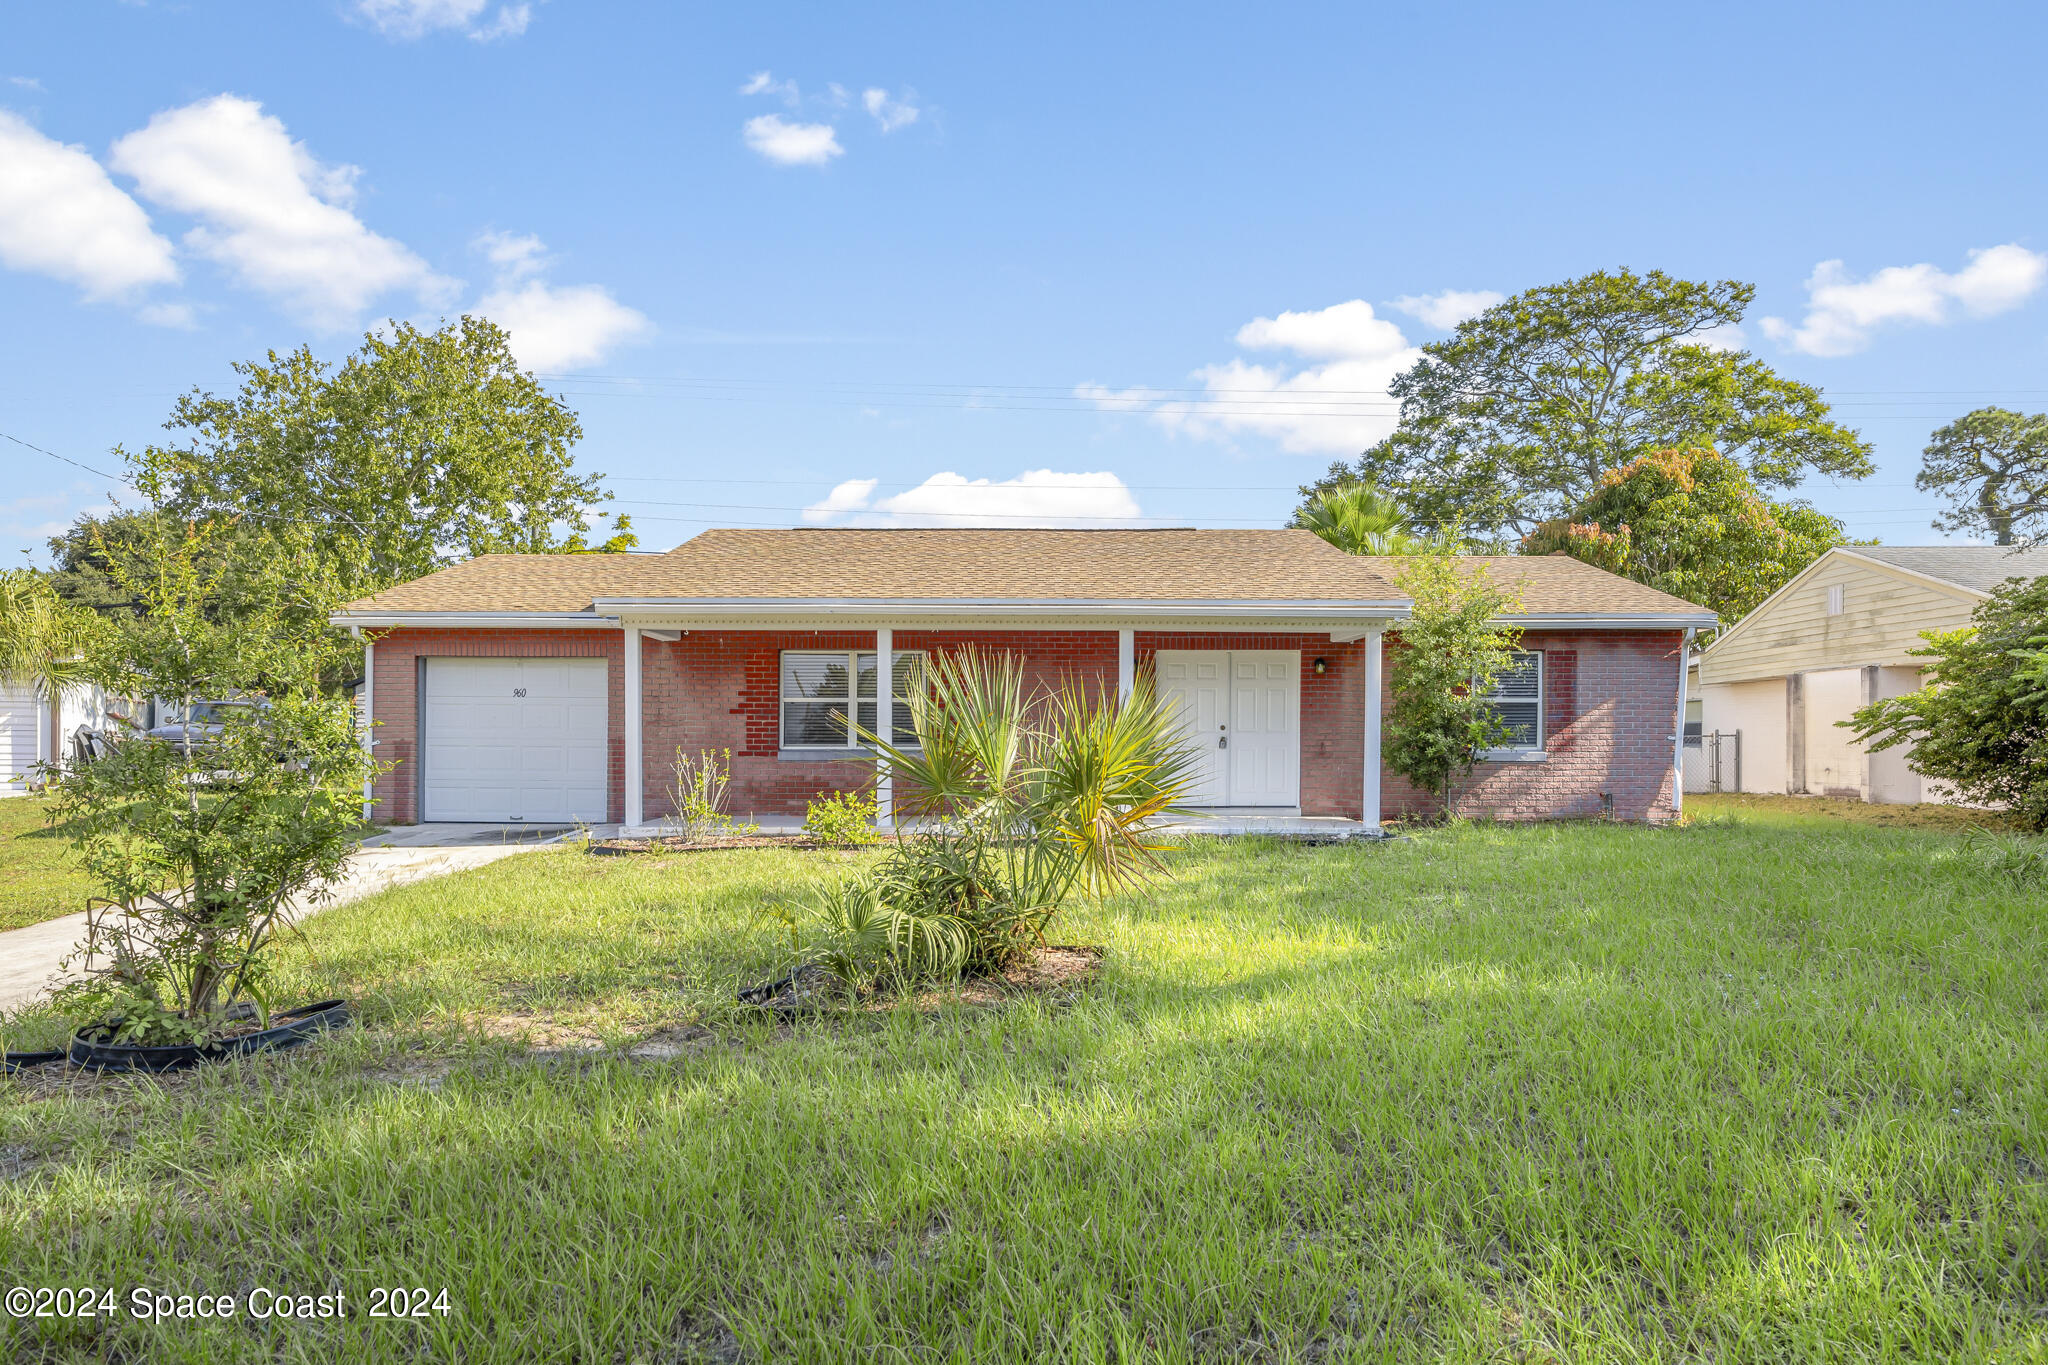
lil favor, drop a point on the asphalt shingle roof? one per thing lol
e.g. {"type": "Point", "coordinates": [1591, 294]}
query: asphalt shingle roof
{"type": "Point", "coordinates": [1982, 567]}
{"type": "Point", "coordinates": [990, 565]}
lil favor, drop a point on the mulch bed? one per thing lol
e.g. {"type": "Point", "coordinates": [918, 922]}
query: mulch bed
{"type": "Point", "coordinates": [1055, 969]}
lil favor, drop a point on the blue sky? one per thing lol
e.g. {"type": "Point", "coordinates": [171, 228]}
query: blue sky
{"type": "Point", "coordinates": [1168, 254]}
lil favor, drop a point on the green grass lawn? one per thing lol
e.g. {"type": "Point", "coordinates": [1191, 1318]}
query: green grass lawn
{"type": "Point", "coordinates": [1762, 1089]}
{"type": "Point", "coordinates": [38, 879]}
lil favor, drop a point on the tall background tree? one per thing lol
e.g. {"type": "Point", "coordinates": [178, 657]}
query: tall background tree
{"type": "Point", "coordinates": [1992, 467]}
{"type": "Point", "coordinates": [1512, 421]}
{"type": "Point", "coordinates": [1692, 523]}
{"type": "Point", "coordinates": [422, 448]}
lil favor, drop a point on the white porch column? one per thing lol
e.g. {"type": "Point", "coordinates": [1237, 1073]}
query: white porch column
{"type": "Point", "coordinates": [885, 721]}
{"type": "Point", "coordinates": [1678, 735]}
{"type": "Point", "coordinates": [634, 740]}
{"type": "Point", "coordinates": [1371, 812]}
{"type": "Point", "coordinates": [369, 718]}
{"type": "Point", "coordinates": [1126, 662]}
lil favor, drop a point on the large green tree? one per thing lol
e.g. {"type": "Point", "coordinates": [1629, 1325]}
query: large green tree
{"type": "Point", "coordinates": [422, 448]}
{"type": "Point", "coordinates": [1512, 420]}
{"type": "Point", "coordinates": [1992, 466]}
{"type": "Point", "coordinates": [1981, 722]}
{"type": "Point", "coordinates": [1692, 523]}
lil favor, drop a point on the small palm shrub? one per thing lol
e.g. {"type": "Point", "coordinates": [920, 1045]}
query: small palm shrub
{"type": "Point", "coordinates": [843, 819]}
{"type": "Point", "coordinates": [1015, 803]}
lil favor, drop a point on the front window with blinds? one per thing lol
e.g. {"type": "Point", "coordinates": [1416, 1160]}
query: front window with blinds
{"type": "Point", "coordinates": [1516, 696]}
{"type": "Point", "coordinates": [819, 689]}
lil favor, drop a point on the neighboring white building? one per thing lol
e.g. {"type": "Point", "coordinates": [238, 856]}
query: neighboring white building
{"type": "Point", "coordinates": [1838, 637]}
{"type": "Point", "coordinates": [32, 731]}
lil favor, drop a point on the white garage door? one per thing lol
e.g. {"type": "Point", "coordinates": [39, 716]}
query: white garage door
{"type": "Point", "coordinates": [515, 739]}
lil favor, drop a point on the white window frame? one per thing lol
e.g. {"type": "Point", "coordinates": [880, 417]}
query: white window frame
{"type": "Point", "coordinates": [899, 675]}
{"type": "Point", "coordinates": [1525, 753]}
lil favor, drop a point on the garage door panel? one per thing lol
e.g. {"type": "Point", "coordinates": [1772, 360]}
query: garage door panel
{"type": "Point", "coordinates": [516, 739]}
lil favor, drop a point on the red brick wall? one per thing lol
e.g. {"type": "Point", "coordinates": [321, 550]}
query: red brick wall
{"type": "Point", "coordinates": [1610, 712]}
{"type": "Point", "coordinates": [1610, 708]}
{"type": "Point", "coordinates": [1332, 710]}
{"type": "Point", "coordinates": [396, 704]}
{"type": "Point", "coordinates": [721, 689]}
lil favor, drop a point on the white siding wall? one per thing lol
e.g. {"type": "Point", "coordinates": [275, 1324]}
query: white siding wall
{"type": "Point", "coordinates": [1883, 614]}
{"type": "Point", "coordinates": [1834, 760]}
{"type": "Point", "coordinates": [1757, 709]}
{"type": "Point", "coordinates": [1892, 783]}
{"type": "Point", "coordinates": [18, 751]}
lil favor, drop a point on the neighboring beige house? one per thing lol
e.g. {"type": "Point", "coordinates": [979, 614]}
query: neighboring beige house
{"type": "Point", "coordinates": [1838, 637]}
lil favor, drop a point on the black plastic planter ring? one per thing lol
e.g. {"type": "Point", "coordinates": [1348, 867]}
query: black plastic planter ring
{"type": "Point", "coordinates": [294, 1027]}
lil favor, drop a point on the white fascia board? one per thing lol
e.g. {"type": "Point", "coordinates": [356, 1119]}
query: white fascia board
{"type": "Point", "coordinates": [473, 620]}
{"type": "Point", "coordinates": [1112, 608]}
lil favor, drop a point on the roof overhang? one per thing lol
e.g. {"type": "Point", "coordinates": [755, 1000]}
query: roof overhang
{"type": "Point", "coordinates": [1607, 620]}
{"type": "Point", "coordinates": [1349, 618]}
{"type": "Point", "coordinates": [944, 607]}
{"type": "Point", "coordinates": [473, 620]}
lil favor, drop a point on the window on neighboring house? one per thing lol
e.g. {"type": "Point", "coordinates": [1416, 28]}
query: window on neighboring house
{"type": "Point", "coordinates": [818, 689]}
{"type": "Point", "coordinates": [1517, 698]}
{"type": "Point", "coordinates": [1837, 599]}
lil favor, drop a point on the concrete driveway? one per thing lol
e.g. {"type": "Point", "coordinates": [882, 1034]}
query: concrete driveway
{"type": "Point", "coordinates": [29, 957]}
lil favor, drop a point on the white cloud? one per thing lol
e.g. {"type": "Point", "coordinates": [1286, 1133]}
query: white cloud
{"type": "Point", "coordinates": [764, 83]}
{"type": "Point", "coordinates": [1446, 310]}
{"type": "Point", "coordinates": [792, 144]}
{"type": "Point", "coordinates": [1842, 312]}
{"type": "Point", "coordinates": [890, 113]}
{"type": "Point", "coordinates": [1037, 497]}
{"type": "Point", "coordinates": [409, 19]}
{"type": "Point", "coordinates": [516, 256]}
{"type": "Point", "coordinates": [1343, 330]}
{"type": "Point", "coordinates": [270, 213]}
{"type": "Point", "coordinates": [25, 82]}
{"type": "Point", "coordinates": [60, 215]}
{"type": "Point", "coordinates": [1339, 406]}
{"type": "Point", "coordinates": [552, 327]}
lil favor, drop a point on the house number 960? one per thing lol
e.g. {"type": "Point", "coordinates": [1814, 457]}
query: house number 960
{"type": "Point", "coordinates": [518, 691]}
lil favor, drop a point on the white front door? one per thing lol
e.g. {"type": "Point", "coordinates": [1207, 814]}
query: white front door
{"type": "Point", "coordinates": [515, 739]}
{"type": "Point", "coordinates": [1243, 710]}
{"type": "Point", "coordinates": [1198, 682]}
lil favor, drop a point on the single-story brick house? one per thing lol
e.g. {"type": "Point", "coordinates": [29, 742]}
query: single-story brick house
{"type": "Point", "coordinates": [551, 688]}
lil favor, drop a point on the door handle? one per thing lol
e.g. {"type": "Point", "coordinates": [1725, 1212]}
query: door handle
{"type": "Point", "coordinates": [1223, 743]}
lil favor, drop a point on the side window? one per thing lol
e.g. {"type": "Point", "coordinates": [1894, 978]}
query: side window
{"type": "Point", "coordinates": [1517, 698]}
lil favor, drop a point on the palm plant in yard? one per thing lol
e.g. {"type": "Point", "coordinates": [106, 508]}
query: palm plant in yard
{"type": "Point", "coordinates": [1016, 801]}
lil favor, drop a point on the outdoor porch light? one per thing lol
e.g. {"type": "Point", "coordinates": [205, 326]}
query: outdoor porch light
{"type": "Point", "coordinates": [1322, 666]}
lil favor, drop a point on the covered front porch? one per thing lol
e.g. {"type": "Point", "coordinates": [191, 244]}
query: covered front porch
{"type": "Point", "coordinates": [1286, 711]}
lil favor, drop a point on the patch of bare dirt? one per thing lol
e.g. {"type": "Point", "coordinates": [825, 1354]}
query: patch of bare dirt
{"type": "Point", "coordinates": [425, 1072]}
{"type": "Point", "coordinates": [671, 1043]}
{"type": "Point", "coordinates": [537, 1031]}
